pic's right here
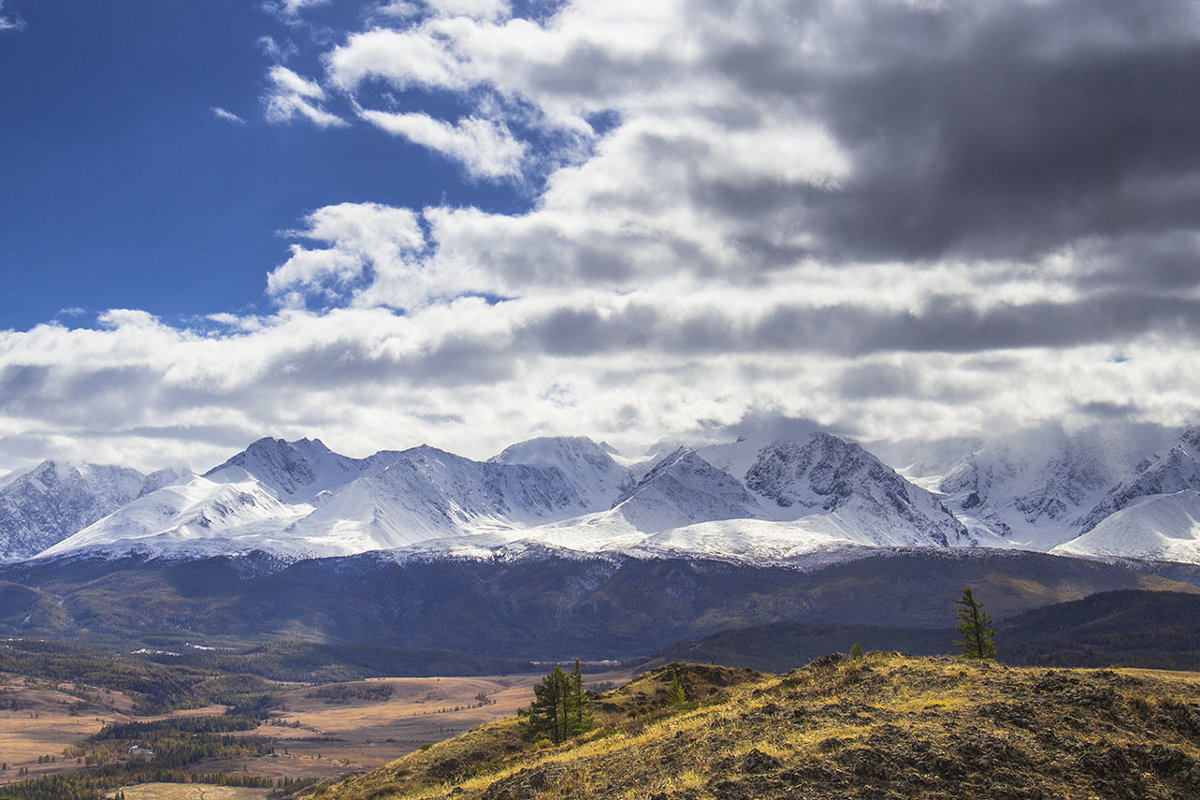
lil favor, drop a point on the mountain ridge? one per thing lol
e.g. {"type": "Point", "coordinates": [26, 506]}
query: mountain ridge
{"type": "Point", "coordinates": [771, 501]}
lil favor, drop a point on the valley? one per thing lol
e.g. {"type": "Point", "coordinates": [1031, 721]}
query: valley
{"type": "Point", "coordinates": [311, 732]}
{"type": "Point", "coordinates": [294, 616]}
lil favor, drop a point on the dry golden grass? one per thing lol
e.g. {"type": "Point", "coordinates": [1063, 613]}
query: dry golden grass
{"type": "Point", "coordinates": [44, 724]}
{"type": "Point", "coordinates": [315, 738]}
{"type": "Point", "coordinates": [884, 727]}
{"type": "Point", "coordinates": [191, 791]}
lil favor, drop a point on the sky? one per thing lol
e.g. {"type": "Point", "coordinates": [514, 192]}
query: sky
{"type": "Point", "coordinates": [472, 222]}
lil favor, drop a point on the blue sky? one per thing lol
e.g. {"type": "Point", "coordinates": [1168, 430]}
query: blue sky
{"type": "Point", "coordinates": [469, 222]}
{"type": "Point", "coordinates": [122, 188]}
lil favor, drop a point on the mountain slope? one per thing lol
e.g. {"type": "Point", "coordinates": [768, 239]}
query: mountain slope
{"type": "Point", "coordinates": [1034, 488]}
{"type": "Point", "coordinates": [1126, 628]}
{"type": "Point", "coordinates": [297, 471]}
{"type": "Point", "coordinates": [427, 494]}
{"type": "Point", "coordinates": [1159, 527]}
{"type": "Point", "coordinates": [44, 505]}
{"type": "Point", "coordinates": [199, 518]}
{"type": "Point", "coordinates": [541, 608]}
{"type": "Point", "coordinates": [590, 469]}
{"type": "Point", "coordinates": [1176, 471]}
{"type": "Point", "coordinates": [782, 501]}
{"type": "Point", "coordinates": [875, 505]}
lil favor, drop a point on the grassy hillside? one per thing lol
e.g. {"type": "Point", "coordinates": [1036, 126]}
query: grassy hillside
{"type": "Point", "coordinates": [883, 727]}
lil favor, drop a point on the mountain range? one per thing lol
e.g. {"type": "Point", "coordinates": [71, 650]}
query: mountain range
{"type": "Point", "coordinates": [793, 500]}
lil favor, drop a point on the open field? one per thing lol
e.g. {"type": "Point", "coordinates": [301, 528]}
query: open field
{"type": "Point", "coordinates": [45, 722]}
{"type": "Point", "coordinates": [319, 731]}
{"type": "Point", "coordinates": [316, 738]}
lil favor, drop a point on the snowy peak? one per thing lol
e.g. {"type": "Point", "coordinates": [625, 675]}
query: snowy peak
{"type": "Point", "coordinates": [297, 470]}
{"type": "Point", "coordinates": [821, 473]}
{"type": "Point", "coordinates": [425, 494]}
{"type": "Point", "coordinates": [1160, 527]}
{"type": "Point", "coordinates": [587, 466]}
{"type": "Point", "coordinates": [831, 475]}
{"type": "Point", "coordinates": [51, 501]}
{"type": "Point", "coordinates": [1176, 471]}
{"type": "Point", "coordinates": [200, 516]}
{"type": "Point", "coordinates": [1034, 489]}
{"type": "Point", "coordinates": [683, 489]}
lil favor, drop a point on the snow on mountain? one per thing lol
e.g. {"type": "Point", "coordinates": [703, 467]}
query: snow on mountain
{"type": "Point", "coordinates": [1034, 488]}
{"type": "Point", "coordinates": [1159, 527]}
{"type": "Point", "coordinates": [770, 500]}
{"type": "Point", "coordinates": [202, 516]}
{"type": "Point", "coordinates": [864, 498]}
{"type": "Point", "coordinates": [426, 493]}
{"type": "Point", "coordinates": [798, 498]}
{"type": "Point", "coordinates": [587, 466]}
{"type": "Point", "coordinates": [1176, 471]}
{"type": "Point", "coordinates": [297, 471]}
{"type": "Point", "coordinates": [682, 489]}
{"type": "Point", "coordinates": [48, 503]}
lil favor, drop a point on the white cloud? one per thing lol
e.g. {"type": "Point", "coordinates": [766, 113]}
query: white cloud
{"type": "Point", "coordinates": [291, 95]}
{"type": "Point", "coordinates": [292, 8]}
{"type": "Point", "coordinates": [405, 59]}
{"type": "Point", "coordinates": [228, 116]}
{"type": "Point", "coordinates": [485, 148]}
{"type": "Point", "coordinates": [10, 22]}
{"type": "Point", "coordinates": [791, 209]}
{"type": "Point", "coordinates": [474, 9]}
{"type": "Point", "coordinates": [361, 236]}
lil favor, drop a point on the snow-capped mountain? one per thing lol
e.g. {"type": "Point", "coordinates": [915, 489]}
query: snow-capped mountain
{"type": "Point", "coordinates": [1158, 527]}
{"type": "Point", "coordinates": [1033, 489]}
{"type": "Point", "coordinates": [830, 475]}
{"type": "Point", "coordinates": [773, 501]}
{"type": "Point", "coordinates": [296, 471]}
{"type": "Point", "coordinates": [1152, 514]}
{"type": "Point", "coordinates": [684, 489]}
{"type": "Point", "coordinates": [427, 494]}
{"type": "Point", "coordinates": [590, 468]}
{"type": "Point", "coordinates": [1176, 471]}
{"type": "Point", "coordinates": [44, 505]}
{"type": "Point", "coordinates": [199, 517]}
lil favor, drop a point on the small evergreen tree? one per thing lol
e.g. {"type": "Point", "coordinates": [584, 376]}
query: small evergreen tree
{"type": "Point", "coordinates": [856, 652]}
{"type": "Point", "coordinates": [676, 697]}
{"type": "Point", "coordinates": [560, 708]}
{"type": "Point", "coordinates": [978, 640]}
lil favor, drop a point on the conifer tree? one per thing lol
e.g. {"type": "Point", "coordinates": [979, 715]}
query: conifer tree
{"type": "Point", "coordinates": [675, 694]}
{"type": "Point", "coordinates": [978, 640]}
{"type": "Point", "coordinates": [560, 708]}
{"type": "Point", "coordinates": [856, 652]}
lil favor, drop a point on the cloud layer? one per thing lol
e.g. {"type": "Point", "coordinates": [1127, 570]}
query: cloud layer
{"type": "Point", "coordinates": [899, 219]}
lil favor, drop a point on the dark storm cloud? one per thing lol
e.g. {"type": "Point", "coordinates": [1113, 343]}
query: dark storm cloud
{"type": "Point", "coordinates": [1111, 412]}
{"type": "Point", "coordinates": [877, 380]}
{"type": "Point", "coordinates": [988, 130]}
{"type": "Point", "coordinates": [1167, 263]}
{"type": "Point", "coordinates": [942, 324]}
{"type": "Point", "coordinates": [459, 359]}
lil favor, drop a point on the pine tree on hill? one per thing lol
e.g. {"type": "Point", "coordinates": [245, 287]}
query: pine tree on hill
{"type": "Point", "coordinates": [676, 697]}
{"type": "Point", "coordinates": [978, 640]}
{"type": "Point", "coordinates": [560, 709]}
